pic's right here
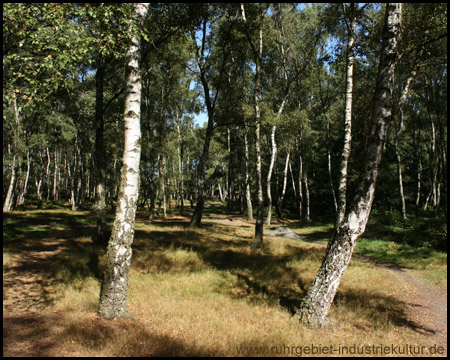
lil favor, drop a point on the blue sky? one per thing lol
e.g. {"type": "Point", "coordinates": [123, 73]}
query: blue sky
{"type": "Point", "coordinates": [200, 119]}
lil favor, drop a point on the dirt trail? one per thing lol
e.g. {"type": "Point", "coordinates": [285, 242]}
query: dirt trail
{"type": "Point", "coordinates": [427, 305]}
{"type": "Point", "coordinates": [26, 299]}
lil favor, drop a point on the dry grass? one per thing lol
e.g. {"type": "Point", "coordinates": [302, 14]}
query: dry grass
{"type": "Point", "coordinates": [203, 292]}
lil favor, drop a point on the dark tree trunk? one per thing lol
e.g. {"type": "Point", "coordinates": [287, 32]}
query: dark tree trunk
{"type": "Point", "coordinates": [257, 54]}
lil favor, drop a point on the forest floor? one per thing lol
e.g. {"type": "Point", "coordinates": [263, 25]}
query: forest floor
{"type": "Point", "coordinates": [37, 321]}
{"type": "Point", "coordinates": [427, 305]}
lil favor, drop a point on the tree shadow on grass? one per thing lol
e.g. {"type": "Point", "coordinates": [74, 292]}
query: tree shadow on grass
{"type": "Point", "coordinates": [26, 335]}
{"type": "Point", "coordinates": [384, 309]}
{"type": "Point", "coordinates": [47, 248]}
{"type": "Point", "coordinates": [261, 275]}
{"type": "Point", "coordinates": [318, 236]}
{"type": "Point", "coordinates": [129, 338]}
{"type": "Point", "coordinates": [47, 334]}
{"type": "Point", "coordinates": [268, 277]}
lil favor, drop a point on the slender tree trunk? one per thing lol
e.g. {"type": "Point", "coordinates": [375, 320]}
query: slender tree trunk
{"type": "Point", "coordinates": [433, 165]}
{"type": "Point", "coordinates": [47, 173]}
{"type": "Point", "coordinates": [330, 173]}
{"type": "Point", "coordinates": [180, 165]}
{"type": "Point", "coordinates": [72, 188]}
{"type": "Point", "coordinates": [7, 205]}
{"type": "Point", "coordinates": [317, 302]}
{"type": "Point", "coordinates": [101, 233]}
{"type": "Point", "coordinates": [221, 197]}
{"type": "Point", "coordinates": [327, 143]}
{"type": "Point", "coordinates": [114, 289]}
{"type": "Point", "coordinates": [163, 172]}
{"type": "Point", "coordinates": [201, 181]}
{"type": "Point", "coordinates": [257, 54]}
{"type": "Point", "coordinates": [230, 171]}
{"type": "Point", "coordinates": [23, 192]}
{"type": "Point", "coordinates": [300, 179]}
{"type": "Point", "coordinates": [305, 180]}
{"type": "Point", "coordinates": [273, 159]}
{"type": "Point", "coordinates": [210, 106]}
{"type": "Point", "coordinates": [399, 173]}
{"type": "Point", "coordinates": [342, 192]}
{"type": "Point", "coordinates": [419, 172]}
{"type": "Point", "coordinates": [285, 177]}
{"type": "Point", "coordinates": [292, 180]}
{"type": "Point", "coordinates": [398, 133]}
{"type": "Point", "coordinates": [274, 144]}
{"type": "Point", "coordinates": [248, 193]}
{"type": "Point", "coordinates": [38, 183]}
{"type": "Point", "coordinates": [55, 177]}
{"type": "Point", "coordinates": [259, 226]}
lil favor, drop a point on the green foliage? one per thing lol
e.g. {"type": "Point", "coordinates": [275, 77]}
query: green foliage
{"type": "Point", "coordinates": [51, 53]}
{"type": "Point", "coordinates": [418, 231]}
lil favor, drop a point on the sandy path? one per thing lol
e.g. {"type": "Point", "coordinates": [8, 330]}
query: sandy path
{"type": "Point", "coordinates": [427, 305]}
{"type": "Point", "coordinates": [26, 296]}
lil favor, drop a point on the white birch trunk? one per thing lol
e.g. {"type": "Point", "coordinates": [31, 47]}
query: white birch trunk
{"type": "Point", "coordinates": [7, 205]}
{"type": "Point", "coordinates": [300, 186]}
{"type": "Point", "coordinates": [114, 290]}
{"type": "Point", "coordinates": [273, 159]}
{"type": "Point", "coordinates": [21, 199]}
{"type": "Point", "coordinates": [285, 176]}
{"type": "Point", "coordinates": [317, 302]}
{"type": "Point", "coordinates": [55, 182]}
{"type": "Point", "coordinates": [180, 165]}
{"type": "Point", "coordinates": [248, 193]}
{"type": "Point", "coordinates": [342, 192]}
{"type": "Point", "coordinates": [47, 173]}
{"type": "Point", "coordinates": [305, 180]}
{"type": "Point", "coordinates": [292, 180]}
{"type": "Point", "coordinates": [399, 131]}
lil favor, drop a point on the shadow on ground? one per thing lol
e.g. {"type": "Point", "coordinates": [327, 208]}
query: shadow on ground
{"type": "Point", "coordinates": [43, 335]}
{"type": "Point", "coordinates": [56, 247]}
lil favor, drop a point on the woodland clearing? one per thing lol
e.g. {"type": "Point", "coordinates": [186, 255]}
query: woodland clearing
{"type": "Point", "coordinates": [200, 292]}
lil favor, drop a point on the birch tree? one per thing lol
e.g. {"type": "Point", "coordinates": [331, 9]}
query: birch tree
{"type": "Point", "coordinates": [114, 290]}
{"type": "Point", "coordinates": [317, 302]}
{"type": "Point", "coordinates": [342, 194]}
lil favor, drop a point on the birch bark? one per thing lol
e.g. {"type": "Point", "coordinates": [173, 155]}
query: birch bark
{"type": "Point", "coordinates": [317, 302]}
{"type": "Point", "coordinates": [114, 290]}
{"type": "Point", "coordinates": [8, 204]}
{"type": "Point", "coordinates": [342, 192]}
{"type": "Point", "coordinates": [248, 193]}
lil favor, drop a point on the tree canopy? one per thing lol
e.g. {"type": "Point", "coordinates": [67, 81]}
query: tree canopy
{"type": "Point", "coordinates": [288, 59]}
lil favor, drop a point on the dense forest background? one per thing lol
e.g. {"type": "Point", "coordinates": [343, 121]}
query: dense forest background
{"type": "Point", "coordinates": [64, 90]}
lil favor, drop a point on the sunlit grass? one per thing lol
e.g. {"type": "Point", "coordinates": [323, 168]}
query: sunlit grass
{"type": "Point", "coordinates": [204, 292]}
{"type": "Point", "coordinates": [428, 263]}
